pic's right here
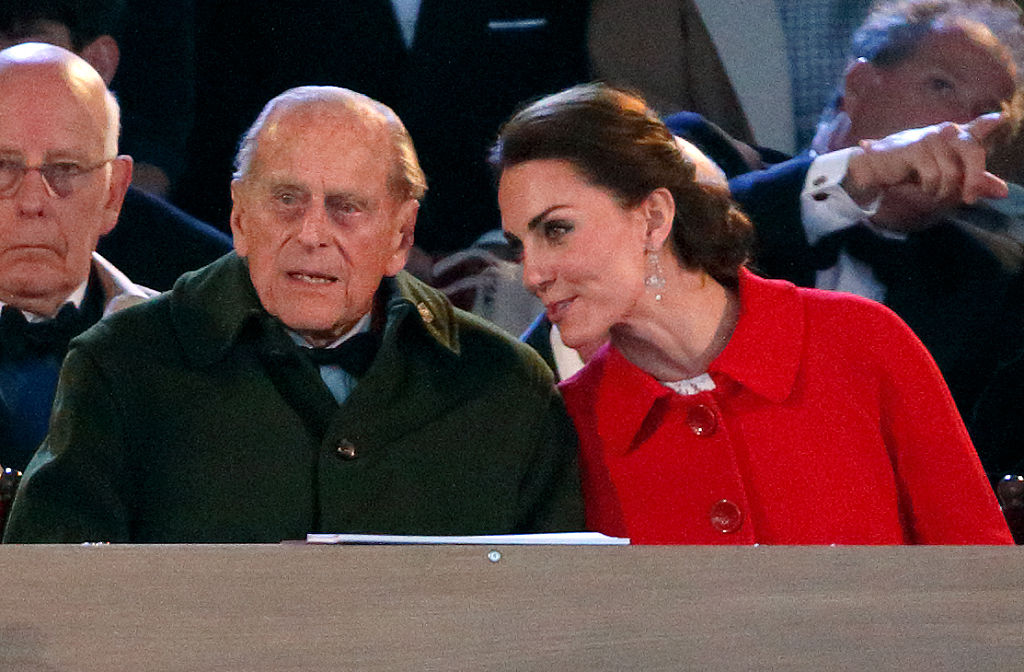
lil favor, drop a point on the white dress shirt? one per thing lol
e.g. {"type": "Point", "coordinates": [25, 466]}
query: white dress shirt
{"type": "Point", "coordinates": [825, 207]}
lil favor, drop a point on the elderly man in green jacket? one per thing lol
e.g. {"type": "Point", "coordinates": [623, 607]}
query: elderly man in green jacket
{"type": "Point", "coordinates": [306, 383]}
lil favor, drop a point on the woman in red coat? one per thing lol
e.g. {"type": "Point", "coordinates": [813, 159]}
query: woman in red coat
{"type": "Point", "coordinates": [726, 409]}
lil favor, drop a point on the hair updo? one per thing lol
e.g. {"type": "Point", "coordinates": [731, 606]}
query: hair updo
{"type": "Point", "coordinates": [617, 143]}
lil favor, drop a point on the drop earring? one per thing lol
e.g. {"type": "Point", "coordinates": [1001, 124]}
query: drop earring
{"type": "Point", "coordinates": [654, 280]}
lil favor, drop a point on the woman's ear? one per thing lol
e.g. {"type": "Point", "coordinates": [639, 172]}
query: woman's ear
{"type": "Point", "coordinates": [659, 211]}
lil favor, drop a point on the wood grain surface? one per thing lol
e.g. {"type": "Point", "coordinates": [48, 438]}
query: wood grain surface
{"type": "Point", "coordinates": [296, 607]}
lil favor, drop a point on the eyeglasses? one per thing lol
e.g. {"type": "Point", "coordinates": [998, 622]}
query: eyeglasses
{"type": "Point", "coordinates": [59, 177]}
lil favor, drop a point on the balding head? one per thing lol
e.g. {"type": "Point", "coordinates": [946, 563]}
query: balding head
{"type": "Point", "coordinates": [706, 171]}
{"type": "Point", "coordinates": [38, 65]}
{"type": "Point", "coordinates": [61, 181]}
{"type": "Point", "coordinates": [405, 176]}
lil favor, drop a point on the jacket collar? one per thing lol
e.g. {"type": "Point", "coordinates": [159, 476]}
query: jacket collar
{"type": "Point", "coordinates": [764, 351]}
{"type": "Point", "coordinates": [212, 307]}
{"type": "Point", "coordinates": [763, 356]}
{"type": "Point", "coordinates": [118, 291]}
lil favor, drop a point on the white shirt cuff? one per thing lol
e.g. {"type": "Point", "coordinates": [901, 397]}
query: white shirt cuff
{"type": "Point", "coordinates": [824, 204]}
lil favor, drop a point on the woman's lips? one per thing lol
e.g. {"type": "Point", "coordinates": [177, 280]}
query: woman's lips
{"type": "Point", "coordinates": [556, 309]}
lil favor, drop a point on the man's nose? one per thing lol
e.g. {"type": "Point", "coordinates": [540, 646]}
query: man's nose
{"type": "Point", "coordinates": [313, 229]}
{"type": "Point", "coordinates": [32, 193]}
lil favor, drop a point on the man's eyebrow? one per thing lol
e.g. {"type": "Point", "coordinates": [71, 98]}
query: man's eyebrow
{"type": "Point", "coordinates": [279, 184]}
{"type": "Point", "coordinates": [65, 154]}
{"type": "Point", "coordinates": [539, 219]}
{"type": "Point", "coordinates": [350, 197]}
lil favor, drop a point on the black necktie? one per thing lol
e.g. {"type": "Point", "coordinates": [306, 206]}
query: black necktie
{"type": "Point", "coordinates": [20, 338]}
{"type": "Point", "coordinates": [353, 355]}
{"type": "Point", "coordinates": [887, 257]}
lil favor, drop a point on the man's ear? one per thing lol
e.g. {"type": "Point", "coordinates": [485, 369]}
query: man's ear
{"type": "Point", "coordinates": [404, 236]}
{"type": "Point", "coordinates": [104, 55]}
{"type": "Point", "coordinates": [120, 178]}
{"type": "Point", "coordinates": [658, 210]}
{"type": "Point", "coordinates": [858, 84]}
{"type": "Point", "coordinates": [237, 217]}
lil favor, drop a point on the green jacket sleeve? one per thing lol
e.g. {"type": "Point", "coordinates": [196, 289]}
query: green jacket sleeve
{"type": "Point", "coordinates": [550, 496]}
{"type": "Point", "coordinates": [70, 489]}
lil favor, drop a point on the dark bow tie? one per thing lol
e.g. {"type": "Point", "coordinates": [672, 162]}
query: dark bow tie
{"type": "Point", "coordinates": [354, 355]}
{"type": "Point", "coordinates": [20, 338]}
{"type": "Point", "coordinates": [887, 257]}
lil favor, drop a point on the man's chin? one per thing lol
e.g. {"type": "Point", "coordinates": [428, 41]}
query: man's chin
{"type": "Point", "coordinates": [34, 282]}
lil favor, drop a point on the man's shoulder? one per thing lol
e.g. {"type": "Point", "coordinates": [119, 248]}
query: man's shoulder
{"type": "Point", "coordinates": [197, 302]}
{"type": "Point", "coordinates": [784, 179]}
{"type": "Point", "coordinates": [483, 348]}
{"type": "Point", "coordinates": [140, 327]}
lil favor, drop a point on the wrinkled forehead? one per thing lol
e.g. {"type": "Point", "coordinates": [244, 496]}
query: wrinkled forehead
{"type": "Point", "coordinates": [971, 48]}
{"type": "Point", "coordinates": [324, 137]}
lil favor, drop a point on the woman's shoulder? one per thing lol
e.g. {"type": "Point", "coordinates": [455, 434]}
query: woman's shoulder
{"type": "Point", "coordinates": [843, 309]}
{"type": "Point", "coordinates": [858, 325]}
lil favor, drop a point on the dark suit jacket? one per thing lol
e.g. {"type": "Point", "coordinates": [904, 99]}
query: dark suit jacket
{"type": "Point", "coordinates": [470, 66]}
{"type": "Point", "coordinates": [997, 426]}
{"type": "Point", "coordinates": [955, 295]}
{"type": "Point", "coordinates": [732, 155]}
{"type": "Point", "coordinates": [155, 242]}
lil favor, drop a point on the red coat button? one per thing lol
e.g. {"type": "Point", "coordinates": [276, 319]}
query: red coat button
{"type": "Point", "coordinates": [726, 517]}
{"type": "Point", "coordinates": [702, 420]}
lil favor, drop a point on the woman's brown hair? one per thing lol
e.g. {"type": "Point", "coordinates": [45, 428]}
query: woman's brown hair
{"type": "Point", "coordinates": [617, 143]}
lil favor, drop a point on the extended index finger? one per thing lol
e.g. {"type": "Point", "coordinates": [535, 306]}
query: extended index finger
{"type": "Point", "coordinates": [982, 128]}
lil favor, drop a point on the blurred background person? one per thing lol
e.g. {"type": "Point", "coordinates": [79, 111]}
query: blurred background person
{"type": "Point", "coordinates": [452, 70]}
{"type": "Point", "coordinates": [925, 247]}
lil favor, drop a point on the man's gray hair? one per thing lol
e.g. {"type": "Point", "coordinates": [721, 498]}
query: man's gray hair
{"type": "Point", "coordinates": [894, 29]}
{"type": "Point", "coordinates": [406, 179]}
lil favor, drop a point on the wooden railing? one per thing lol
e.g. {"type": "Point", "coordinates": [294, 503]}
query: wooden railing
{"type": "Point", "coordinates": [298, 607]}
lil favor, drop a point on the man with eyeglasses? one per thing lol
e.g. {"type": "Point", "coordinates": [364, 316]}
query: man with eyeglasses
{"type": "Point", "coordinates": [61, 187]}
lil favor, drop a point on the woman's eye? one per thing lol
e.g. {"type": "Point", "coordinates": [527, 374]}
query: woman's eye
{"type": "Point", "coordinates": [555, 230]}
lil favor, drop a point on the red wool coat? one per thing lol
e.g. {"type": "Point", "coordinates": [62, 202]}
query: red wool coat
{"type": "Point", "coordinates": [830, 424]}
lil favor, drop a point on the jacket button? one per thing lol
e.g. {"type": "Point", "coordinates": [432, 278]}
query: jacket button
{"type": "Point", "coordinates": [345, 450]}
{"type": "Point", "coordinates": [726, 517]}
{"type": "Point", "coordinates": [702, 420]}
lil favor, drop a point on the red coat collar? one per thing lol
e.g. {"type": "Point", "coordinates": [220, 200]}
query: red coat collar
{"type": "Point", "coordinates": [763, 355]}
